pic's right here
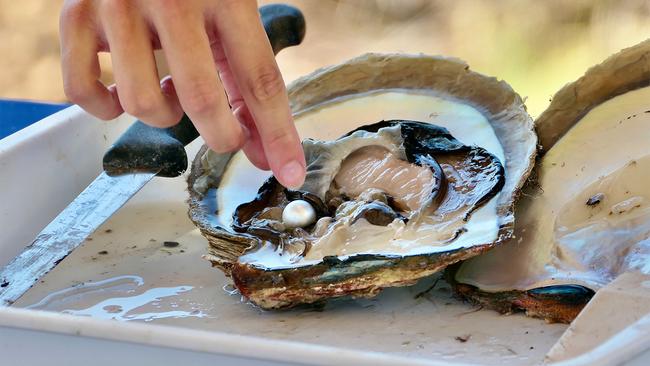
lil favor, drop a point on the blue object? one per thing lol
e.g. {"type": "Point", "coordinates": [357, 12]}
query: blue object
{"type": "Point", "coordinates": [18, 114]}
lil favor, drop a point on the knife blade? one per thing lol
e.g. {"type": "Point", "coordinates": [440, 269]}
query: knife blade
{"type": "Point", "coordinates": [140, 154]}
{"type": "Point", "coordinates": [67, 231]}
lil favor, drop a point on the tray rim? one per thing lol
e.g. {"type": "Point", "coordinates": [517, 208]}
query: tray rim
{"type": "Point", "coordinates": [622, 347]}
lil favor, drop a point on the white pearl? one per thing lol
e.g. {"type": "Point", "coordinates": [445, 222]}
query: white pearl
{"type": "Point", "coordinates": [298, 213]}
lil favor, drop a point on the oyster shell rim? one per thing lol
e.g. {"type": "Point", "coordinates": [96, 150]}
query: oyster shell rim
{"type": "Point", "coordinates": [621, 72]}
{"type": "Point", "coordinates": [447, 77]}
{"type": "Point", "coordinates": [574, 100]}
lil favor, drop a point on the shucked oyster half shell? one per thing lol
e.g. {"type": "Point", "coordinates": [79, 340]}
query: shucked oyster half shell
{"type": "Point", "coordinates": [464, 139]}
{"type": "Point", "coordinates": [586, 218]}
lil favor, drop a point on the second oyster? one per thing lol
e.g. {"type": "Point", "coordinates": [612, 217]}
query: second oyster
{"type": "Point", "coordinates": [586, 218]}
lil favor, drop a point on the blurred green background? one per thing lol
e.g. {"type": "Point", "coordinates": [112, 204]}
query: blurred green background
{"type": "Point", "coordinates": [536, 46]}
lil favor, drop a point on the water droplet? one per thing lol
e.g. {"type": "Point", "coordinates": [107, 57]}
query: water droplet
{"type": "Point", "coordinates": [230, 289]}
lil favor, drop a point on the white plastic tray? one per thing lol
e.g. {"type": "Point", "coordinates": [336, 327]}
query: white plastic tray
{"type": "Point", "coordinates": [172, 307]}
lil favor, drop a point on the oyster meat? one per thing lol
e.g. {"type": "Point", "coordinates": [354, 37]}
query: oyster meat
{"type": "Point", "coordinates": [394, 201]}
{"type": "Point", "coordinates": [392, 189]}
{"type": "Point", "coordinates": [586, 218]}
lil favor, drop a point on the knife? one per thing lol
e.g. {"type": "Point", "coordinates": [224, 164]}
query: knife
{"type": "Point", "coordinates": [140, 154]}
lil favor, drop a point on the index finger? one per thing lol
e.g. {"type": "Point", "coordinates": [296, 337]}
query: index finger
{"type": "Point", "coordinates": [256, 73]}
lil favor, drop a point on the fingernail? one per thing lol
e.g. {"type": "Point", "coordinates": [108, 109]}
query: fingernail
{"type": "Point", "coordinates": [292, 175]}
{"type": "Point", "coordinates": [167, 86]}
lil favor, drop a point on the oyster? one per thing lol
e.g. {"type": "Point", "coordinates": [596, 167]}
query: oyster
{"type": "Point", "coordinates": [586, 218]}
{"type": "Point", "coordinates": [455, 174]}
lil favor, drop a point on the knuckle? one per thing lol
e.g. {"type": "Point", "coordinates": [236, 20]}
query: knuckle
{"type": "Point", "coordinates": [168, 121]}
{"type": "Point", "coordinates": [174, 4]}
{"type": "Point", "coordinates": [170, 8]}
{"type": "Point", "coordinates": [116, 8]}
{"type": "Point", "coordinates": [76, 91]}
{"type": "Point", "coordinates": [202, 99]}
{"type": "Point", "coordinates": [229, 4]}
{"type": "Point", "coordinates": [224, 144]}
{"type": "Point", "coordinates": [266, 83]}
{"type": "Point", "coordinates": [75, 12]}
{"type": "Point", "coordinates": [277, 139]}
{"type": "Point", "coordinates": [142, 104]}
{"type": "Point", "coordinates": [225, 147]}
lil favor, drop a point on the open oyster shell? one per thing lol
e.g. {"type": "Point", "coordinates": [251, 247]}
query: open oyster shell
{"type": "Point", "coordinates": [237, 207]}
{"type": "Point", "coordinates": [586, 218]}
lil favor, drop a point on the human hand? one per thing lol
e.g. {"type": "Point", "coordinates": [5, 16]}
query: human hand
{"type": "Point", "coordinates": [211, 46]}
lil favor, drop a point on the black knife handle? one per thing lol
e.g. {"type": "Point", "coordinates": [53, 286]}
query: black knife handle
{"type": "Point", "coordinates": [284, 25]}
{"type": "Point", "coordinates": [143, 148]}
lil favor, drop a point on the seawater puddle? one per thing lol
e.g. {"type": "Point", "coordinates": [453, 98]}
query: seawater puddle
{"type": "Point", "coordinates": [105, 300]}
